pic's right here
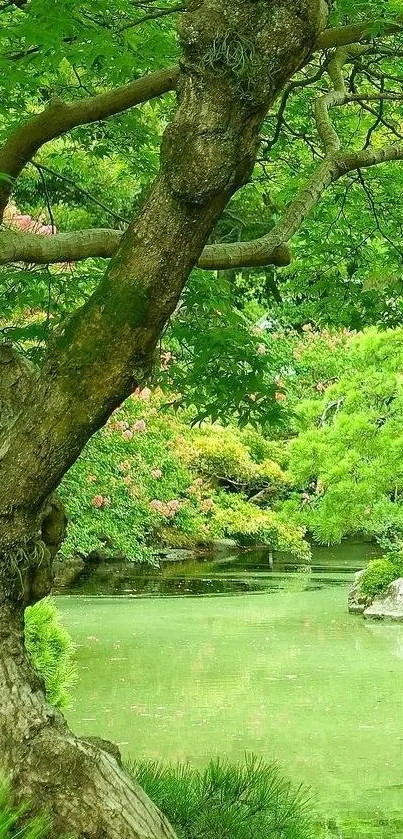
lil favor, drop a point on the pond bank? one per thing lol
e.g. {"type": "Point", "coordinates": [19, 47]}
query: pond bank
{"type": "Point", "coordinates": [228, 570]}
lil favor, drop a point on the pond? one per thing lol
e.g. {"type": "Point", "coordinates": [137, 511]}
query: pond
{"type": "Point", "coordinates": [280, 669]}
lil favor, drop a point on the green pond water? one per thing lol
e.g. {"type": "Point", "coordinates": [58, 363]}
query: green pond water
{"type": "Point", "coordinates": [284, 672]}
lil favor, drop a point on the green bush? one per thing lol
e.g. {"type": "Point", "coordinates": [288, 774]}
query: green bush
{"type": "Point", "coordinates": [377, 576]}
{"type": "Point", "coordinates": [241, 801]}
{"type": "Point", "coordinates": [51, 650]}
{"type": "Point", "coordinates": [345, 461]}
{"type": "Point", "coordinates": [148, 480]}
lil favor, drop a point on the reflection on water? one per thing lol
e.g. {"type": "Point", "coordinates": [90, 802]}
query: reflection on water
{"type": "Point", "coordinates": [236, 573]}
{"type": "Point", "coordinates": [284, 672]}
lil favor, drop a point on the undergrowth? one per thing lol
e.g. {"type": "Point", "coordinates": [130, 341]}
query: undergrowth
{"type": "Point", "coordinates": [249, 800]}
{"type": "Point", "coordinates": [51, 650]}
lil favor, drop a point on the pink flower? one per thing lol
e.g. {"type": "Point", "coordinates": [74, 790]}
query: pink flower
{"type": "Point", "coordinates": [100, 501]}
{"type": "Point", "coordinates": [47, 230]}
{"type": "Point", "coordinates": [156, 473]}
{"type": "Point", "coordinates": [121, 426]}
{"type": "Point", "coordinates": [172, 508]}
{"type": "Point", "coordinates": [23, 222]}
{"type": "Point", "coordinates": [127, 434]}
{"type": "Point", "coordinates": [139, 426]}
{"type": "Point", "coordinates": [145, 394]}
{"type": "Point", "coordinates": [207, 505]}
{"type": "Point", "coordinates": [159, 506]}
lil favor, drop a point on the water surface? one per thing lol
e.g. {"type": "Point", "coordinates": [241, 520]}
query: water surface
{"type": "Point", "coordinates": [285, 672]}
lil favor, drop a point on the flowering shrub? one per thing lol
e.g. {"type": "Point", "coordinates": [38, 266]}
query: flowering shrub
{"type": "Point", "coordinates": [149, 480]}
{"type": "Point", "coordinates": [224, 456]}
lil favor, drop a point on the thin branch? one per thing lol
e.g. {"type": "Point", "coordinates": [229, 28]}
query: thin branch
{"type": "Point", "coordinates": [47, 198]}
{"type": "Point", "coordinates": [374, 211]}
{"type": "Point", "coordinates": [60, 117]}
{"type": "Point", "coordinates": [294, 85]}
{"type": "Point", "coordinates": [151, 16]}
{"type": "Point", "coordinates": [80, 189]}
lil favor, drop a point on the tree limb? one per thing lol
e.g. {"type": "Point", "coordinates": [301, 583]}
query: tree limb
{"type": "Point", "coordinates": [76, 245]}
{"type": "Point", "coordinates": [352, 34]}
{"type": "Point", "coordinates": [271, 249]}
{"type": "Point", "coordinates": [151, 16]}
{"type": "Point", "coordinates": [61, 117]}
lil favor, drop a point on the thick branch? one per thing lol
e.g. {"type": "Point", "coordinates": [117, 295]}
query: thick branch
{"type": "Point", "coordinates": [75, 246]}
{"type": "Point", "coordinates": [261, 251]}
{"type": "Point", "coordinates": [271, 249]}
{"type": "Point", "coordinates": [351, 34]}
{"type": "Point", "coordinates": [64, 247]}
{"type": "Point", "coordinates": [61, 117]}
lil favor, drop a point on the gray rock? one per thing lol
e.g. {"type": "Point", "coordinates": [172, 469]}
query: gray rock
{"type": "Point", "coordinates": [357, 601]}
{"type": "Point", "coordinates": [224, 544]}
{"type": "Point", "coordinates": [389, 605]}
{"type": "Point", "coordinates": [179, 555]}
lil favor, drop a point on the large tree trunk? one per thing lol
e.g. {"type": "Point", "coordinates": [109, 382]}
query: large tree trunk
{"type": "Point", "coordinates": [96, 360]}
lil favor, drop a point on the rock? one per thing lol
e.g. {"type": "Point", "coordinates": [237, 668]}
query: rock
{"type": "Point", "coordinates": [357, 601]}
{"type": "Point", "coordinates": [67, 570]}
{"type": "Point", "coordinates": [224, 544]}
{"type": "Point", "coordinates": [389, 605]}
{"type": "Point", "coordinates": [179, 555]}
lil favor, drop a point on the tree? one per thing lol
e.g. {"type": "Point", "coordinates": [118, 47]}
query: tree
{"type": "Point", "coordinates": [226, 82]}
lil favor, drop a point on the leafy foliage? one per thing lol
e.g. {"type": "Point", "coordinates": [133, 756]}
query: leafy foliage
{"type": "Point", "coordinates": [346, 460]}
{"type": "Point", "coordinates": [148, 480]}
{"type": "Point", "coordinates": [51, 650]}
{"type": "Point", "coordinates": [244, 801]}
{"type": "Point", "coordinates": [378, 574]}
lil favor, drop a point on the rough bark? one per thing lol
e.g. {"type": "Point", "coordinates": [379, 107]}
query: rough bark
{"type": "Point", "coordinates": [98, 357]}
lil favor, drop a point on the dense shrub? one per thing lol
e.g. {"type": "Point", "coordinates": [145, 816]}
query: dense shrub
{"type": "Point", "coordinates": [224, 456]}
{"type": "Point", "coordinates": [242, 801]}
{"type": "Point", "coordinates": [377, 576]}
{"type": "Point", "coordinates": [51, 650]}
{"type": "Point", "coordinates": [148, 480]}
{"type": "Point", "coordinates": [379, 573]}
{"type": "Point", "coordinates": [346, 459]}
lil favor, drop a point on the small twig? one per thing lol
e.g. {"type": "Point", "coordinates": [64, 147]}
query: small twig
{"type": "Point", "coordinates": [40, 166]}
{"type": "Point", "coordinates": [151, 16]}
